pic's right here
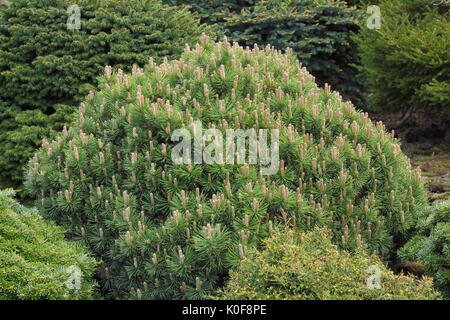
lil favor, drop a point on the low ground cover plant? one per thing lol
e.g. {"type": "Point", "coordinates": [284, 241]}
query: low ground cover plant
{"type": "Point", "coordinates": [309, 266]}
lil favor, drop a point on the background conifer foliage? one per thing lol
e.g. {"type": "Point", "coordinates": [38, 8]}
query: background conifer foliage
{"type": "Point", "coordinates": [43, 63]}
{"type": "Point", "coordinates": [174, 231]}
{"type": "Point", "coordinates": [406, 63]}
{"type": "Point", "coordinates": [318, 32]}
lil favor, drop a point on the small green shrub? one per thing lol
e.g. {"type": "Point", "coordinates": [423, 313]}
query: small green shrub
{"type": "Point", "coordinates": [405, 63]}
{"type": "Point", "coordinates": [308, 266]}
{"type": "Point", "coordinates": [35, 259]}
{"type": "Point", "coordinates": [318, 32]}
{"type": "Point", "coordinates": [173, 231]}
{"type": "Point", "coordinates": [431, 245]}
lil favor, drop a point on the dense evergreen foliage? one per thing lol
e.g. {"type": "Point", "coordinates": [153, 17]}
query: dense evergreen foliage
{"type": "Point", "coordinates": [35, 259]}
{"type": "Point", "coordinates": [318, 32]}
{"type": "Point", "coordinates": [21, 133]}
{"type": "Point", "coordinates": [173, 231]}
{"type": "Point", "coordinates": [362, 3]}
{"type": "Point", "coordinates": [406, 63]}
{"type": "Point", "coordinates": [309, 267]}
{"type": "Point", "coordinates": [44, 63]}
{"type": "Point", "coordinates": [431, 245]}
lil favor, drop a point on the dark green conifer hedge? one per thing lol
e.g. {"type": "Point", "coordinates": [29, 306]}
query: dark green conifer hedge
{"type": "Point", "coordinates": [42, 62]}
{"type": "Point", "coordinates": [21, 133]}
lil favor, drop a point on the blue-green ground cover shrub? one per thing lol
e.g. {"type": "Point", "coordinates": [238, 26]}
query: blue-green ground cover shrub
{"type": "Point", "coordinates": [431, 245]}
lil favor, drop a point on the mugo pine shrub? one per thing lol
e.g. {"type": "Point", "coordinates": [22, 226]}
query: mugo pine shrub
{"type": "Point", "coordinates": [36, 262]}
{"type": "Point", "coordinates": [309, 266]}
{"type": "Point", "coordinates": [44, 63]}
{"type": "Point", "coordinates": [165, 230]}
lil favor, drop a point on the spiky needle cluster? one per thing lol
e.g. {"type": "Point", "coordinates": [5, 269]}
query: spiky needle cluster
{"type": "Point", "coordinates": [173, 231]}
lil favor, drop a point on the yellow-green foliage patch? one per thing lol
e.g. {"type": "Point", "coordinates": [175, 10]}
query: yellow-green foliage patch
{"type": "Point", "coordinates": [308, 266]}
{"type": "Point", "coordinates": [36, 262]}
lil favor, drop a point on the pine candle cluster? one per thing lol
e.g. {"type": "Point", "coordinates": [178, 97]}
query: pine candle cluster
{"type": "Point", "coordinates": [173, 231]}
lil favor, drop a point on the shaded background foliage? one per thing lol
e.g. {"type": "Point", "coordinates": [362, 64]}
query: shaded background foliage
{"type": "Point", "coordinates": [21, 133]}
{"type": "Point", "coordinates": [406, 63]}
{"type": "Point", "coordinates": [317, 30]}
